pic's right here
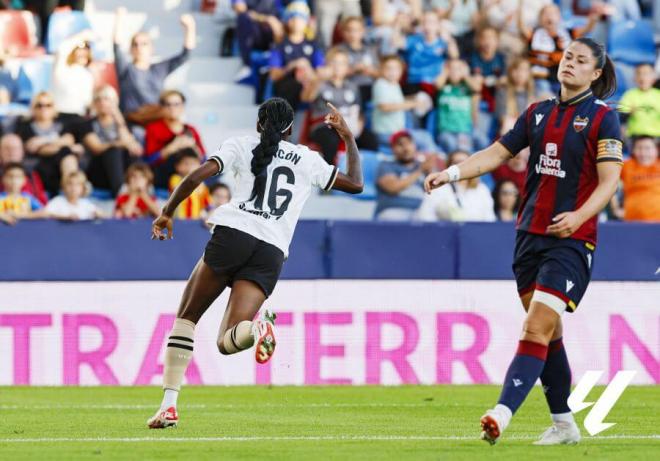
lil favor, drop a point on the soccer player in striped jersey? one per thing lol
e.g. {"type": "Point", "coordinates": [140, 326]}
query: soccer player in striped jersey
{"type": "Point", "coordinates": [250, 237]}
{"type": "Point", "coordinates": [574, 167]}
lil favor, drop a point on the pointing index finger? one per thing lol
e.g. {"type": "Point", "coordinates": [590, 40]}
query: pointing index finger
{"type": "Point", "coordinates": [332, 107]}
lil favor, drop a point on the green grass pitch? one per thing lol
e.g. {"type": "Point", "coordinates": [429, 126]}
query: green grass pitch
{"type": "Point", "coordinates": [305, 423]}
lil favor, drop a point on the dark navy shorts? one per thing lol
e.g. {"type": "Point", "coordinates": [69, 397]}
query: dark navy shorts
{"type": "Point", "coordinates": [237, 255]}
{"type": "Point", "coordinates": [553, 266]}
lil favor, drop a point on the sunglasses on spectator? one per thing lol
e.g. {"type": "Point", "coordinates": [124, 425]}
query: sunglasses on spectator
{"type": "Point", "coordinates": [43, 105]}
{"type": "Point", "coordinates": [173, 103]}
{"type": "Point", "coordinates": [508, 192]}
{"type": "Point", "coordinates": [140, 44]}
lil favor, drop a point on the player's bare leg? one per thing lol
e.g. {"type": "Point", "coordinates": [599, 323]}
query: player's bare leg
{"type": "Point", "coordinates": [204, 286]}
{"type": "Point", "coordinates": [524, 370]}
{"type": "Point", "coordinates": [238, 331]}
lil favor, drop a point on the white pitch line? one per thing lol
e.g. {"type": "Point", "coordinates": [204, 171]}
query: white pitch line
{"type": "Point", "coordinates": [121, 406]}
{"type": "Point", "coordinates": [368, 438]}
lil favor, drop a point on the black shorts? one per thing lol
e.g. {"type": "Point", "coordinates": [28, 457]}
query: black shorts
{"type": "Point", "coordinates": [559, 267]}
{"type": "Point", "coordinates": [240, 256]}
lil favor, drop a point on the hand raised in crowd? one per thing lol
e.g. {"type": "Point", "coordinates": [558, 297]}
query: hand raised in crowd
{"type": "Point", "coordinates": [187, 21]}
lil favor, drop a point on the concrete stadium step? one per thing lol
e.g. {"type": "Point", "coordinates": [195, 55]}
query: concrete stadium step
{"type": "Point", "coordinates": [217, 123]}
{"type": "Point", "coordinates": [205, 70]}
{"type": "Point", "coordinates": [218, 94]}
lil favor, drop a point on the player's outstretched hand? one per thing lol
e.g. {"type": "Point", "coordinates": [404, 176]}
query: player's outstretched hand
{"type": "Point", "coordinates": [435, 180]}
{"type": "Point", "coordinates": [158, 227]}
{"type": "Point", "coordinates": [565, 224]}
{"type": "Point", "coordinates": [336, 121]}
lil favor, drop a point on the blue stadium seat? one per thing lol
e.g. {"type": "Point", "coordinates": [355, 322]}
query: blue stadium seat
{"type": "Point", "coordinates": [370, 161]}
{"type": "Point", "coordinates": [63, 24]}
{"type": "Point", "coordinates": [631, 42]}
{"type": "Point", "coordinates": [622, 83]}
{"type": "Point", "coordinates": [34, 76]}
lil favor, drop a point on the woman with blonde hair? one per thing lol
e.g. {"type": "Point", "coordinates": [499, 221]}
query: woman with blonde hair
{"type": "Point", "coordinates": [109, 141]}
{"type": "Point", "coordinates": [73, 81]}
{"type": "Point", "coordinates": [519, 91]}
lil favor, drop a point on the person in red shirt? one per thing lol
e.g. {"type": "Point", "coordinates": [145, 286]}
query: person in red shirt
{"type": "Point", "coordinates": [137, 202]}
{"type": "Point", "coordinates": [515, 170]}
{"type": "Point", "coordinates": [165, 138]}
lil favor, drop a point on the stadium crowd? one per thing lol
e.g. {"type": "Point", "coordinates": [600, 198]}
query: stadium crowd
{"type": "Point", "coordinates": [422, 83]}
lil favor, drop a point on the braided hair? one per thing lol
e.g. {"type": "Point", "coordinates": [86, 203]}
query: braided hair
{"type": "Point", "coordinates": [275, 118]}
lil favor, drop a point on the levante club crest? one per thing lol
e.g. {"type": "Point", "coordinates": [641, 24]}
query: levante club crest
{"type": "Point", "coordinates": [580, 123]}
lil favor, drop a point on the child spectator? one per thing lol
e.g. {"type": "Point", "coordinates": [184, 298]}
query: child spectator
{"type": "Point", "coordinates": [425, 53]}
{"type": "Point", "coordinates": [72, 205]}
{"type": "Point", "coordinates": [362, 57]}
{"type": "Point", "coordinates": [136, 202]}
{"type": "Point", "coordinates": [400, 182]}
{"type": "Point", "coordinates": [165, 138]}
{"type": "Point", "coordinates": [345, 96]}
{"type": "Point", "coordinates": [641, 183]}
{"type": "Point", "coordinates": [457, 98]}
{"type": "Point", "coordinates": [515, 95]}
{"type": "Point", "coordinates": [466, 200]}
{"type": "Point", "coordinates": [257, 27]}
{"type": "Point", "coordinates": [507, 200]}
{"type": "Point", "coordinates": [14, 203]}
{"type": "Point", "coordinates": [219, 194]}
{"type": "Point", "coordinates": [390, 106]}
{"type": "Point", "coordinates": [488, 63]}
{"type": "Point", "coordinates": [46, 138]}
{"type": "Point", "coordinates": [11, 151]}
{"type": "Point", "coordinates": [73, 81]}
{"type": "Point", "coordinates": [642, 104]}
{"type": "Point", "coordinates": [140, 81]}
{"type": "Point", "coordinates": [548, 41]}
{"type": "Point", "coordinates": [192, 207]}
{"type": "Point", "coordinates": [110, 142]}
{"type": "Point", "coordinates": [294, 60]}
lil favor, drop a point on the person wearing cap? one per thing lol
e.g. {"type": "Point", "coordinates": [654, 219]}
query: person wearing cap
{"type": "Point", "coordinates": [294, 61]}
{"type": "Point", "coordinates": [400, 182]}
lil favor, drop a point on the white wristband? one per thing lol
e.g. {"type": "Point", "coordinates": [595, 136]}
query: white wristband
{"type": "Point", "coordinates": [454, 173]}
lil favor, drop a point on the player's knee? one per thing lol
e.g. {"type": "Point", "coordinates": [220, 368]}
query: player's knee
{"type": "Point", "coordinates": [537, 330]}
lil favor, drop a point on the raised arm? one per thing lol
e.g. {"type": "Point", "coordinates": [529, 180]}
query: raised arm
{"type": "Point", "coordinates": [351, 182]}
{"type": "Point", "coordinates": [478, 164]}
{"type": "Point", "coordinates": [182, 192]}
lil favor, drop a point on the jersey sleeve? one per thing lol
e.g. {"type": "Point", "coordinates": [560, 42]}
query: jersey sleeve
{"type": "Point", "coordinates": [323, 174]}
{"type": "Point", "coordinates": [226, 155]}
{"type": "Point", "coordinates": [516, 138]}
{"type": "Point", "coordinates": [610, 146]}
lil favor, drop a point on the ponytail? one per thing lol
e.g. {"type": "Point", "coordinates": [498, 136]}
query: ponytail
{"type": "Point", "coordinates": [605, 85]}
{"type": "Point", "coordinates": [275, 118]}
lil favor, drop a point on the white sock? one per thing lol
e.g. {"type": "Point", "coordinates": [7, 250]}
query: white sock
{"type": "Point", "coordinates": [169, 399]}
{"type": "Point", "coordinates": [563, 418]}
{"type": "Point", "coordinates": [506, 415]}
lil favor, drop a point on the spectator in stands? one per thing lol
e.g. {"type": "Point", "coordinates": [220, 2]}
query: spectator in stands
{"type": "Point", "coordinates": [548, 41]}
{"type": "Point", "coordinates": [140, 81]}
{"type": "Point", "coordinates": [14, 203]}
{"type": "Point", "coordinates": [8, 84]}
{"type": "Point", "coordinates": [187, 160]}
{"type": "Point", "coordinates": [400, 182]}
{"type": "Point", "coordinates": [46, 138]}
{"type": "Point", "coordinates": [72, 205]}
{"type": "Point", "coordinates": [168, 136]}
{"type": "Point", "coordinates": [257, 28]}
{"type": "Point", "coordinates": [641, 183]}
{"type": "Point", "coordinates": [73, 82]}
{"type": "Point", "coordinates": [507, 17]}
{"type": "Point", "coordinates": [463, 16]}
{"type": "Point", "coordinates": [137, 202]}
{"type": "Point", "coordinates": [11, 151]}
{"type": "Point", "coordinates": [488, 63]}
{"type": "Point", "coordinates": [390, 106]}
{"type": "Point", "coordinates": [328, 12]}
{"type": "Point", "coordinates": [507, 200]}
{"type": "Point", "coordinates": [515, 95]}
{"type": "Point", "coordinates": [641, 105]}
{"type": "Point", "coordinates": [110, 142]}
{"type": "Point", "coordinates": [425, 52]}
{"type": "Point", "coordinates": [345, 96]}
{"type": "Point", "coordinates": [219, 194]}
{"type": "Point", "coordinates": [458, 94]}
{"type": "Point", "coordinates": [514, 170]}
{"type": "Point", "coordinates": [44, 8]}
{"type": "Point", "coordinates": [363, 58]}
{"type": "Point", "coordinates": [466, 200]}
{"type": "Point", "coordinates": [294, 60]}
{"type": "Point", "coordinates": [389, 16]}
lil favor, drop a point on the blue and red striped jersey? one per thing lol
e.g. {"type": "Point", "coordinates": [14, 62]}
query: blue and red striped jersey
{"type": "Point", "coordinates": [566, 140]}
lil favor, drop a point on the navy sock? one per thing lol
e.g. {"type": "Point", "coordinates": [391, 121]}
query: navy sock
{"type": "Point", "coordinates": [523, 372]}
{"type": "Point", "coordinates": [556, 378]}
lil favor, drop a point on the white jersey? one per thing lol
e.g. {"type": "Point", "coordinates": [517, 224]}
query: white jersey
{"type": "Point", "coordinates": [271, 216]}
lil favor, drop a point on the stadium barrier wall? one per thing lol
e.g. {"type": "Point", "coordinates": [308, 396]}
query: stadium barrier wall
{"type": "Point", "coordinates": [329, 332]}
{"type": "Point", "coordinates": [122, 250]}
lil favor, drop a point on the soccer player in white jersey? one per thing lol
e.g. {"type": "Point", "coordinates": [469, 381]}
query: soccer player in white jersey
{"type": "Point", "coordinates": [250, 237]}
